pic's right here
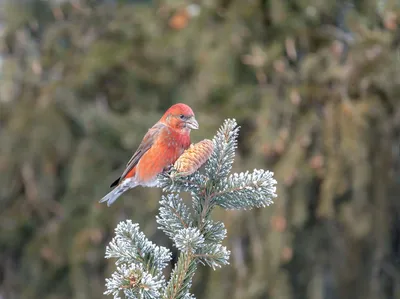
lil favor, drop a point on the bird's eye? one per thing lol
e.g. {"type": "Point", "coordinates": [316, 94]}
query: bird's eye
{"type": "Point", "coordinates": [181, 116]}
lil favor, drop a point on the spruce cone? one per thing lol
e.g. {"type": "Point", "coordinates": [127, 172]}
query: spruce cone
{"type": "Point", "coordinates": [194, 157]}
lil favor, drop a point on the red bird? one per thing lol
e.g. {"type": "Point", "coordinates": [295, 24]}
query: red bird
{"type": "Point", "coordinates": [161, 147]}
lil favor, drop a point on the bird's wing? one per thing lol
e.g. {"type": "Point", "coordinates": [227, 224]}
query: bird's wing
{"type": "Point", "coordinates": [145, 145]}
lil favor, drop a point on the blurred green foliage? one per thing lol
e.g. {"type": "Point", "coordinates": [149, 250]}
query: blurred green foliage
{"type": "Point", "coordinates": [314, 84]}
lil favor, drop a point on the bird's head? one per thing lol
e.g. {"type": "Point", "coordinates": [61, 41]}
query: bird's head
{"type": "Point", "coordinates": [180, 117]}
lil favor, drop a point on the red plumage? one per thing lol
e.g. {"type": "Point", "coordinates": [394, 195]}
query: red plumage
{"type": "Point", "coordinates": [161, 147]}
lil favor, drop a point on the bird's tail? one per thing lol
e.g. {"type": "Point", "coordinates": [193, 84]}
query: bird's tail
{"type": "Point", "coordinates": [117, 192]}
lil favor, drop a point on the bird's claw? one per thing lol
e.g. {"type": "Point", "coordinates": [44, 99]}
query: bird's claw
{"type": "Point", "coordinates": [168, 168]}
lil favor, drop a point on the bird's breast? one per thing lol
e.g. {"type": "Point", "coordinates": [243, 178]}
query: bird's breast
{"type": "Point", "coordinates": [176, 143]}
{"type": "Point", "coordinates": [164, 152]}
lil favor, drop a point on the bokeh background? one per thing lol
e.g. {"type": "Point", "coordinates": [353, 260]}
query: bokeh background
{"type": "Point", "coordinates": [315, 86]}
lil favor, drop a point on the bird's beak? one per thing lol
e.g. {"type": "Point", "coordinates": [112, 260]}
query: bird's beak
{"type": "Point", "coordinates": [192, 123]}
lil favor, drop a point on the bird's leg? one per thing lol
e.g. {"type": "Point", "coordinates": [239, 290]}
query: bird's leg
{"type": "Point", "coordinates": [168, 171]}
{"type": "Point", "coordinates": [167, 168]}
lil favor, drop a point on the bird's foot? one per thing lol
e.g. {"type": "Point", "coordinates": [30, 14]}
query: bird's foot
{"type": "Point", "coordinates": [168, 168]}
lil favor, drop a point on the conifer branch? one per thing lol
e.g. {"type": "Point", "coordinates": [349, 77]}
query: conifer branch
{"type": "Point", "coordinates": [193, 232]}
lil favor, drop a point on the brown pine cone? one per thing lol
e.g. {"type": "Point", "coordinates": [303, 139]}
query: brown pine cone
{"type": "Point", "coordinates": [194, 157]}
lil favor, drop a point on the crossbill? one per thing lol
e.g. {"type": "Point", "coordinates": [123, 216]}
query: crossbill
{"type": "Point", "coordinates": [160, 148]}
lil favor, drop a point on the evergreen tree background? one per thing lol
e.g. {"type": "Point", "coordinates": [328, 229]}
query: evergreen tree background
{"type": "Point", "coordinates": [315, 86]}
